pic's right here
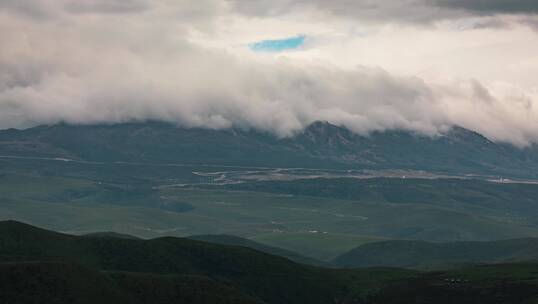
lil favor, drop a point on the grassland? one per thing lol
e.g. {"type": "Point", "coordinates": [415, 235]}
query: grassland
{"type": "Point", "coordinates": [319, 218]}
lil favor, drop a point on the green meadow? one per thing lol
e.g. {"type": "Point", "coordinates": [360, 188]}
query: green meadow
{"type": "Point", "coordinates": [318, 218]}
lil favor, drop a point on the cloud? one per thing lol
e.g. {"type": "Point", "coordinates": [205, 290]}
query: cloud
{"type": "Point", "coordinates": [390, 11]}
{"type": "Point", "coordinates": [524, 7]}
{"type": "Point", "coordinates": [30, 8]}
{"type": "Point", "coordinates": [531, 21]}
{"type": "Point", "coordinates": [107, 6]}
{"type": "Point", "coordinates": [160, 64]}
{"type": "Point", "coordinates": [278, 45]}
{"type": "Point", "coordinates": [367, 10]}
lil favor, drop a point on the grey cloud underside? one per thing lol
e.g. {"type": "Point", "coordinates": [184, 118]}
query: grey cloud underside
{"type": "Point", "coordinates": [28, 8]}
{"type": "Point", "coordinates": [407, 11]}
{"type": "Point", "coordinates": [492, 6]}
{"type": "Point", "coordinates": [412, 11]}
{"type": "Point", "coordinates": [108, 6]}
{"type": "Point", "coordinates": [52, 9]}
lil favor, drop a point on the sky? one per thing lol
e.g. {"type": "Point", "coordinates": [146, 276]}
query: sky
{"type": "Point", "coordinates": [278, 45]}
{"type": "Point", "coordinates": [276, 66]}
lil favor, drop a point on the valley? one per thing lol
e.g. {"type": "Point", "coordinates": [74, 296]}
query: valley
{"type": "Point", "coordinates": [319, 213]}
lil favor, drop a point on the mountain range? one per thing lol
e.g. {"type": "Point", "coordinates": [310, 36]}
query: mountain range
{"type": "Point", "coordinates": [320, 145]}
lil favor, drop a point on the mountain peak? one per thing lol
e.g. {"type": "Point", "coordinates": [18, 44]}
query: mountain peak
{"type": "Point", "coordinates": [327, 133]}
{"type": "Point", "coordinates": [458, 134]}
{"type": "Point", "coordinates": [322, 125]}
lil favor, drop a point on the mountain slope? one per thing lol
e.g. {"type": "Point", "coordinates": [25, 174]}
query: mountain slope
{"type": "Point", "coordinates": [58, 282]}
{"type": "Point", "coordinates": [320, 145]}
{"type": "Point", "coordinates": [505, 283]}
{"type": "Point", "coordinates": [268, 278]}
{"type": "Point", "coordinates": [237, 241]}
{"type": "Point", "coordinates": [425, 255]}
{"type": "Point", "coordinates": [38, 266]}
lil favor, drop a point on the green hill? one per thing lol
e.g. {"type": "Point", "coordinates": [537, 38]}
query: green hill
{"type": "Point", "coordinates": [425, 255]}
{"type": "Point", "coordinates": [268, 278]}
{"type": "Point", "coordinates": [57, 282]}
{"type": "Point", "coordinates": [225, 239]}
{"type": "Point", "coordinates": [39, 266]}
{"type": "Point", "coordinates": [486, 284]}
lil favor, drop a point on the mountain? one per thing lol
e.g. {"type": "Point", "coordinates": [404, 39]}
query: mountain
{"type": "Point", "coordinates": [320, 145]}
{"type": "Point", "coordinates": [40, 266]}
{"type": "Point", "coordinates": [63, 282]}
{"type": "Point", "coordinates": [163, 264]}
{"type": "Point", "coordinates": [504, 283]}
{"type": "Point", "coordinates": [238, 241]}
{"type": "Point", "coordinates": [426, 255]}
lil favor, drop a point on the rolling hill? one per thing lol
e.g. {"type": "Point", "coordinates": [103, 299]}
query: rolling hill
{"type": "Point", "coordinates": [62, 282]}
{"type": "Point", "coordinates": [246, 273]}
{"type": "Point", "coordinates": [426, 255]}
{"type": "Point", "coordinates": [224, 239]}
{"type": "Point", "coordinates": [40, 266]}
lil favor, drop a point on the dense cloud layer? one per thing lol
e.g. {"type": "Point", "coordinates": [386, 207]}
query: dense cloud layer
{"type": "Point", "coordinates": [115, 61]}
{"type": "Point", "coordinates": [107, 7]}
{"type": "Point", "coordinates": [491, 6]}
{"type": "Point", "coordinates": [380, 11]}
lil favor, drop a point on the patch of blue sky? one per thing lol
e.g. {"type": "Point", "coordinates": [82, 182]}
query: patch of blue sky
{"type": "Point", "coordinates": [278, 45]}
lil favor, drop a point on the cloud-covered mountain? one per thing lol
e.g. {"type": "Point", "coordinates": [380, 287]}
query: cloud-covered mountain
{"type": "Point", "coordinates": [320, 145]}
{"type": "Point", "coordinates": [189, 63]}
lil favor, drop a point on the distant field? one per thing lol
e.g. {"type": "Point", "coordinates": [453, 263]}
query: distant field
{"type": "Point", "coordinates": [320, 218]}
